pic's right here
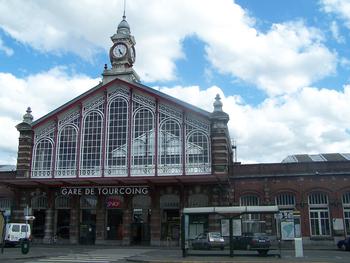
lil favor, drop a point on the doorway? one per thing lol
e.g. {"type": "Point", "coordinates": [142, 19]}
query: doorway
{"type": "Point", "coordinates": [63, 224]}
{"type": "Point", "coordinates": [114, 224]}
{"type": "Point", "coordinates": [140, 229]}
{"type": "Point", "coordinates": [88, 227]}
{"type": "Point", "coordinates": [39, 224]}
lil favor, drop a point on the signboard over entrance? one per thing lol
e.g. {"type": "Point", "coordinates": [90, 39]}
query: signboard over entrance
{"type": "Point", "coordinates": [105, 190]}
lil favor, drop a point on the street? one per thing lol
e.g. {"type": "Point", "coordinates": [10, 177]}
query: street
{"type": "Point", "coordinates": [109, 254]}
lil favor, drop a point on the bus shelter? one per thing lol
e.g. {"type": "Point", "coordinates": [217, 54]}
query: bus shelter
{"type": "Point", "coordinates": [232, 220]}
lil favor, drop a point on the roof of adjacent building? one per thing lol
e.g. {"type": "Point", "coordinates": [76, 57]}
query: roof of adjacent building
{"type": "Point", "coordinates": [7, 168]}
{"type": "Point", "coordinates": [322, 157]}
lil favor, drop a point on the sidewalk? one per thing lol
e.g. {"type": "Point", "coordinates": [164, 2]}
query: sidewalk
{"type": "Point", "coordinates": [175, 256]}
{"type": "Point", "coordinates": [38, 251]}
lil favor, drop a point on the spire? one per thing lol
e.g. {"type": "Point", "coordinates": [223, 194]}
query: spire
{"type": "Point", "coordinates": [123, 27]}
{"type": "Point", "coordinates": [217, 104]}
{"type": "Point", "coordinates": [124, 16]}
{"type": "Point", "coordinates": [218, 115]}
{"type": "Point", "coordinates": [28, 117]}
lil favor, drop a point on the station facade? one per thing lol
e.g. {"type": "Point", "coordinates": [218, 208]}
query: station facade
{"type": "Point", "coordinates": [118, 163]}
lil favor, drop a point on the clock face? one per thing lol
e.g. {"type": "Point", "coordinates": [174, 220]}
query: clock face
{"type": "Point", "coordinates": [119, 51]}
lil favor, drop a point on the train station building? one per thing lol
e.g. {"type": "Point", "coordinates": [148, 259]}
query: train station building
{"type": "Point", "coordinates": [117, 164]}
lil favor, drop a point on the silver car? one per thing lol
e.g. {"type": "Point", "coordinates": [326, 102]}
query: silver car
{"type": "Point", "coordinates": [208, 240]}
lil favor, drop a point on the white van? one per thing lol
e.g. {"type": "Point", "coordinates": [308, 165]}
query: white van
{"type": "Point", "coordinates": [15, 232]}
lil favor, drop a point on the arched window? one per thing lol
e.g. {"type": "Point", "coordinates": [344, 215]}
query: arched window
{"type": "Point", "coordinates": [92, 144]}
{"type": "Point", "coordinates": [116, 161]}
{"type": "Point", "coordinates": [197, 152]}
{"type": "Point", "coordinates": [39, 202]}
{"type": "Point", "coordinates": [285, 200]}
{"type": "Point", "coordinates": [88, 202]}
{"type": "Point", "coordinates": [247, 225]}
{"type": "Point", "coordinates": [169, 201]}
{"type": "Point", "coordinates": [42, 158]}
{"type": "Point", "coordinates": [346, 208]}
{"type": "Point", "coordinates": [198, 200]}
{"type": "Point", "coordinates": [66, 152]}
{"type": "Point", "coordinates": [5, 203]}
{"type": "Point", "coordinates": [249, 200]}
{"type": "Point", "coordinates": [143, 142]}
{"type": "Point", "coordinates": [319, 214]}
{"type": "Point", "coordinates": [62, 202]}
{"type": "Point", "coordinates": [169, 147]}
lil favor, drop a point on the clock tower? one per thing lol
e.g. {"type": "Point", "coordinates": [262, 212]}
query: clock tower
{"type": "Point", "coordinates": [122, 55]}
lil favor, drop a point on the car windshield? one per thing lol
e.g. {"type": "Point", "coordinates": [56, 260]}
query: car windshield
{"type": "Point", "coordinates": [24, 228]}
{"type": "Point", "coordinates": [15, 228]}
{"type": "Point", "coordinates": [215, 235]}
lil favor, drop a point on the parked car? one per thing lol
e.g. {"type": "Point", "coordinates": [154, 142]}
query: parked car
{"type": "Point", "coordinates": [253, 241]}
{"type": "Point", "coordinates": [344, 244]}
{"type": "Point", "coordinates": [208, 240]}
{"type": "Point", "coordinates": [16, 232]}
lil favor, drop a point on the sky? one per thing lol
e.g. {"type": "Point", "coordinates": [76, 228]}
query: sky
{"type": "Point", "coordinates": [282, 68]}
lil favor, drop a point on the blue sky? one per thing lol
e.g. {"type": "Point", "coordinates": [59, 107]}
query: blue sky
{"type": "Point", "coordinates": [281, 67]}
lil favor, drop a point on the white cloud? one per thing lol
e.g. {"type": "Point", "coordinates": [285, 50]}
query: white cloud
{"type": "Point", "coordinates": [43, 92]}
{"type": "Point", "coordinates": [341, 8]}
{"type": "Point", "coordinates": [8, 51]}
{"type": "Point", "coordinates": [284, 59]}
{"type": "Point", "coordinates": [335, 32]}
{"type": "Point", "coordinates": [311, 121]}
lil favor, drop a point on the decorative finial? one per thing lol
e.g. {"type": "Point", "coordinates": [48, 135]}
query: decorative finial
{"type": "Point", "coordinates": [28, 117]}
{"type": "Point", "coordinates": [105, 67]}
{"type": "Point", "coordinates": [124, 16]}
{"type": "Point", "coordinates": [217, 104]}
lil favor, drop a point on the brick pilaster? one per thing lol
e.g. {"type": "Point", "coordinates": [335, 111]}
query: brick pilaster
{"type": "Point", "coordinates": [25, 144]}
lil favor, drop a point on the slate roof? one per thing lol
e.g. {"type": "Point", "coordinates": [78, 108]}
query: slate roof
{"type": "Point", "coordinates": [322, 157]}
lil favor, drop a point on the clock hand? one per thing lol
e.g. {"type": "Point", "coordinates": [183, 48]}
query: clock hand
{"type": "Point", "coordinates": [120, 52]}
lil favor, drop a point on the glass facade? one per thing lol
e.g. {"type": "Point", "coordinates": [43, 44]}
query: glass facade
{"type": "Point", "coordinates": [113, 136]}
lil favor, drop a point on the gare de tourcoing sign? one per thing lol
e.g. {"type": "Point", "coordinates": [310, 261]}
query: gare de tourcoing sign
{"type": "Point", "coordinates": [105, 190]}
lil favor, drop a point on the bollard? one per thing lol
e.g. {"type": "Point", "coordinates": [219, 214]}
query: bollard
{"type": "Point", "coordinates": [298, 242]}
{"type": "Point", "coordinates": [25, 246]}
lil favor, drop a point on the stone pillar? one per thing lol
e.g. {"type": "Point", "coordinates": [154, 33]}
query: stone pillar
{"type": "Point", "coordinates": [220, 142]}
{"type": "Point", "coordinates": [25, 145]}
{"type": "Point", "coordinates": [127, 220]}
{"type": "Point", "coordinates": [214, 220]}
{"type": "Point", "coordinates": [155, 223]}
{"type": "Point", "coordinates": [268, 218]}
{"type": "Point", "coordinates": [22, 201]}
{"type": "Point", "coordinates": [48, 237]}
{"type": "Point", "coordinates": [74, 222]}
{"type": "Point", "coordinates": [100, 220]}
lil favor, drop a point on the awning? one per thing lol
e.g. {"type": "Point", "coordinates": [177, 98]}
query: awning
{"type": "Point", "coordinates": [232, 210]}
